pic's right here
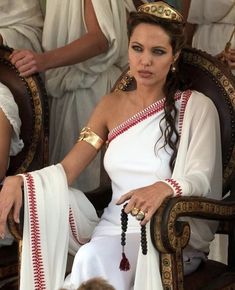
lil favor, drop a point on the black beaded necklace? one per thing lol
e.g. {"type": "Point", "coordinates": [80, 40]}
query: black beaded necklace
{"type": "Point", "coordinates": [124, 264]}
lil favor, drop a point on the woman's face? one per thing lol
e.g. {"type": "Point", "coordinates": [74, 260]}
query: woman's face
{"type": "Point", "coordinates": [150, 54]}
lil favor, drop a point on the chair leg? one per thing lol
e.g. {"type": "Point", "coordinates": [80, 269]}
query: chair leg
{"type": "Point", "coordinates": [20, 244]}
{"type": "Point", "coordinates": [172, 271]}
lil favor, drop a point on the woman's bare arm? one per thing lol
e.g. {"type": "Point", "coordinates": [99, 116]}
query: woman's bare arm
{"type": "Point", "coordinates": [83, 153]}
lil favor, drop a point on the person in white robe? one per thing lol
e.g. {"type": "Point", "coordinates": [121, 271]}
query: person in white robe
{"type": "Point", "coordinates": [214, 27]}
{"type": "Point", "coordinates": [83, 59]}
{"type": "Point", "coordinates": [139, 161]}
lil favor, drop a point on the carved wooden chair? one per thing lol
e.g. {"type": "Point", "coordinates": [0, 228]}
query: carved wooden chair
{"type": "Point", "coordinates": [30, 96]}
{"type": "Point", "coordinates": [209, 76]}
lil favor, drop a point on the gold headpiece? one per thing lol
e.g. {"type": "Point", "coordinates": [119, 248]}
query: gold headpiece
{"type": "Point", "coordinates": [162, 10]}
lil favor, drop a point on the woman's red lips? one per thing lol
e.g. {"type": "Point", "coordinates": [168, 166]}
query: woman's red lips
{"type": "Point", "coordinates": [144, 73]}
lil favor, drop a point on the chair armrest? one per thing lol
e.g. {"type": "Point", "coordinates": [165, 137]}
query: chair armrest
{"type": "Point", "coordinates": [168, 233]}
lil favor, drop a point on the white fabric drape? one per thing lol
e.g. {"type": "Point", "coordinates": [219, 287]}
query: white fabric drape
{"type": "Point", "coordinates": [50, 208]}
{"type": "Point", "coordinates": [10, 109]}
{"type": "Point", "coordinates": [21, 24]}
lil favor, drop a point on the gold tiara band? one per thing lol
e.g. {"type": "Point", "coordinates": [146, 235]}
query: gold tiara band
{"type": "Point", "coordinates": [162, 10]}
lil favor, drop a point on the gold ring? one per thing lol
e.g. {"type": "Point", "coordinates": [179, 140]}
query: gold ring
{"type": "Point", "coordinates": [134, 211]}
{"type": "Point", "coordinates": [140, 216]}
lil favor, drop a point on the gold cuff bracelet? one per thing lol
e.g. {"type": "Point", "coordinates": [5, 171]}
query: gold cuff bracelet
{"type": "Point", "coordinates": [91, 138]}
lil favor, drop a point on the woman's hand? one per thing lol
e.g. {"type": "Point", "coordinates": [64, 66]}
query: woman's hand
{"type": "Point", "coordinates": [146, 199]}
{"type": "Point", "coordinates": [27, 62]}
{"type": "Point", "coordinates": [10, 198]}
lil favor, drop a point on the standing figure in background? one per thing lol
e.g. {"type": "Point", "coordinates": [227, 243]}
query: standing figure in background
{"type": "Point", "coordinates": [85, 50]}
{"type": "Point", "coordinates": [211, 26]}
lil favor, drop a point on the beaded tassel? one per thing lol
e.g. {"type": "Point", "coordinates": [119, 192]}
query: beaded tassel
{"type": "Point", "coordinates": [124, 264]}
{"type": "Point", "coordinates": [143, 241]}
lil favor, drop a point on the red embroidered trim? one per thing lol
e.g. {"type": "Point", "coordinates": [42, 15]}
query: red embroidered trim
{"type": "Point", "coordinates": [186, 95]}
{"type": "Point", "coordinates": [142, 115]}
{"type": "Point", "coordinates": [37, 259]}
{"type": "Point", "coordinates": [175, 185]}
{"type": "Point", "coordinates": [74, 230]}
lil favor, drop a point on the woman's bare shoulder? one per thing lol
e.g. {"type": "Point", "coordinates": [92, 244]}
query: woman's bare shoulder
{"type": "Point", "coordinates": [115, 99]}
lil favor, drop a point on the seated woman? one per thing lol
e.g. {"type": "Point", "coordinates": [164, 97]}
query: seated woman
{"type": "Point", "coordinates": [10, 142]}
{"type": "Point", "coordinates": [158, 147]}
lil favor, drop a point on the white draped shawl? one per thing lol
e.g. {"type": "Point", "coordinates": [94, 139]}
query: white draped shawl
{"type": "Point", "coordinates": [55, 217]}
{"type": "Point", "coordinates": [21, 24]}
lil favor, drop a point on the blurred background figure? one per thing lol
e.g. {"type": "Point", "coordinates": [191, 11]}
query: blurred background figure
{"type": "Point", "coordinates": [211, 27]}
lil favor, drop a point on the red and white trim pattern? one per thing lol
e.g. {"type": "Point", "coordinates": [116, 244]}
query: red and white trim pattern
{"type": "Point", "coordinates": [185, 97]}
{"type": "Point", "coordinates": [142, 115]}
{"type": "Point", "coordinates": [175, 186]}
{"type": "Point", "coordinates": [74, 229]}
{"type": "Point", "coordinates": [35, 236]}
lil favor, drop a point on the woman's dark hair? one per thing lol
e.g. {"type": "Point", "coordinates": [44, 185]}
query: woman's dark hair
{"type": "Point", "coordinates": [175, 31]}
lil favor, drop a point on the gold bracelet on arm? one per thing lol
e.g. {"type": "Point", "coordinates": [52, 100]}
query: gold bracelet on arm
{"type": "Point", "coordinates": [91, 138]}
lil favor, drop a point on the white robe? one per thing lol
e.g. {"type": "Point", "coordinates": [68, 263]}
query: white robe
{"type": "Point", "coordinates": [198, 171]}
{"type": "Point", "coordinates": [21, 24]}
{"type": "Point", "coordinates": [75, 90]}
{"type": "Point", "coordinates": [215, 21]}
